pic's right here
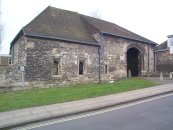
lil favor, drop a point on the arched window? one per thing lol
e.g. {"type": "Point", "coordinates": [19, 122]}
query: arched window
{"type": "Point", "coordinates": [56, 66]}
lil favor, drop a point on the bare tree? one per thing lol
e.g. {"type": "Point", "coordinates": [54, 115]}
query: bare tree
{"type": "Point", "coordinates": [95, 14]}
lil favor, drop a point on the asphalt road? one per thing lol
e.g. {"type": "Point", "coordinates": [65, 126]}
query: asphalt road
{"type": "Point", "coordinates": [151, 115]}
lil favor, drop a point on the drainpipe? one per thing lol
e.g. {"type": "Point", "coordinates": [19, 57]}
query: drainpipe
{"type": "Point", "coordinates": [100, 55]}
{"type": "Point", "coordinates": [154, 61]}
{"type": "Point", "coordinates": [99, 51]}
{"type": "Point", "coordinates": [148, 59]}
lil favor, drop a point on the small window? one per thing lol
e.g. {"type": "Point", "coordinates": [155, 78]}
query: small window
{"type": "Point", "coordinates": [81, 67]}
{"type": "Point", "coordinates": [56, 66]}
{"type": "Point", "coordinates": [106, 69]}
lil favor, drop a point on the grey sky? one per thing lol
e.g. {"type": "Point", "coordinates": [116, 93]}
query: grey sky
{"type": "Point", "coordinates": [149, 18]}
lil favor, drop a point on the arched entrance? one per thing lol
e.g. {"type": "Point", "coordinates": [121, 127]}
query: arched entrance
{"type": "Point", "coordinates": [134, 61]}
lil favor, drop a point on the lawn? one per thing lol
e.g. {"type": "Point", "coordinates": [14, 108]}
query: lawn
{"type": "Point", "coordinates": [44, 96]}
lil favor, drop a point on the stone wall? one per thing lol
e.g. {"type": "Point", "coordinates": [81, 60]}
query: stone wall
{"type": "Point", "coordinates": [19, 54]}
{"type": "Point", "coordinates": [115, 50]}
{"type": "Point", "coordinates": [114, 58]}
{"type": "Point", "coordinates": [37, 55]}
{"type": "Point", "coordinates": [164, 61]}
{"type": "Point", "coordinates": [3, 81]}
{"type": "Point", "coordinates": [151, 58]}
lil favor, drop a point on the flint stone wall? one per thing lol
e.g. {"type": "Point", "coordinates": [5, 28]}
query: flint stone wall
{"type": "Point", "coordinates": [114, 56]}
{"type": "Point", "coordinates": [164, 61]}
{"type": "Point", "coordinates": [37, 55]}
{"type": "Point", "coordinates": [19, 54]}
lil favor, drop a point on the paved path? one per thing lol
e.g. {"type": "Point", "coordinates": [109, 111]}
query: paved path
{"type": "Point", "coordinates": [16, 117]}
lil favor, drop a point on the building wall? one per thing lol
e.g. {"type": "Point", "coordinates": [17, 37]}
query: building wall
{"type": "Point", "coordinates": [164, 61]}
{"type": "Point", "coordinates": [115, 57]}
{"type": "Point", "coordinates": [37, 55]}
{"type": "Point", "coordinates": [18, 55]}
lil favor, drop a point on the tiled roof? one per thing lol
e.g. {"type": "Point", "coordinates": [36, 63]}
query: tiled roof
{"type": "Point", "coordinates": [162, 46]}
{"type": "Point", "coordinates": [111, 28]}
{"type": "Point", "coordinates": [63, 24]}
{"type": "Point", "coordinates": [53, 22]}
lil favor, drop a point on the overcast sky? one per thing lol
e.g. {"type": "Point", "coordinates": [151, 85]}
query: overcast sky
{"type": "Point", "coordinates": [152, 19]}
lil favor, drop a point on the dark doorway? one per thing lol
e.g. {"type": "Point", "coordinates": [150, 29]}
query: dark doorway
{"type": "Point", "coordinates": [133, 61]}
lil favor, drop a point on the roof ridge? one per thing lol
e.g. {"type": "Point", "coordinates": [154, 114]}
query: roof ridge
{"type": "Point", "coordinates": [51, 7]}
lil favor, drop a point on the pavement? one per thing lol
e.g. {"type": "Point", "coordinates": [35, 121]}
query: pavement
{"type": "Point", "coordinates": [166, 80]}
{"type": "Point", "coordinates": [19, 117]}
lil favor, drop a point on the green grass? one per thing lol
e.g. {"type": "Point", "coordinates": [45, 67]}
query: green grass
{"type": "Point", "coordinates": [44, 96]}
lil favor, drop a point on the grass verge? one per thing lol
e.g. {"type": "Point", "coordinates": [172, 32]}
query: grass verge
{"type": "Point", "coordinates": [45, 96]}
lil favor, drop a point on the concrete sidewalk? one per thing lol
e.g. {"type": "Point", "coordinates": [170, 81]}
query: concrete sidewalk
{"type": "Point", "coordinates": [23, 116]}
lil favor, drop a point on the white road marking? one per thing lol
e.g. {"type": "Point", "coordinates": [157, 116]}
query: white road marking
{"type": "Point", "coordinates": [55, 121]}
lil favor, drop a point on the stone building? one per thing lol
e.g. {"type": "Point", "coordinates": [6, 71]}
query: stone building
{"type": "Point", "coordinates": [164, 56]}
{"type": "Point", "coordinates": [64, 47]}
